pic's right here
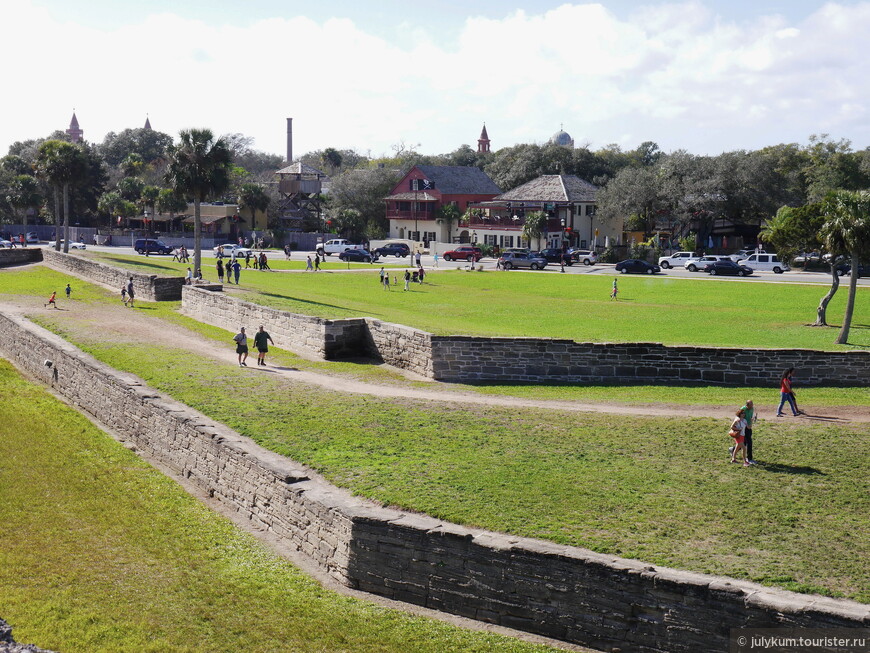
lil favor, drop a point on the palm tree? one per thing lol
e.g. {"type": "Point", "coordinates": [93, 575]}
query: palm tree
{"type": "Point", "coordinates": [24, 194]}
{"type": "Point", "coordinates": [63, 165]}
{"type": "Point", "coordinates": [254, 198]}
{"type": "Point", "coordinates": [168, 201]}
{"type": "Point", "coordinates": [199, 166]}
{"type": "Point", "coordinates": [449, 214]}
{"type": "Point", "coordinates": [148, 198]}
{"type": "Point", "coordinates": [847, 229]}
{"type": "Point", "coordinates": [534, 227]}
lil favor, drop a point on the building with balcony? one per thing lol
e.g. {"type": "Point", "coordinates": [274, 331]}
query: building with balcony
{"type": "Point", "coordinates": [413, 204]}
{"type": "Point", "coordinates": [568, 201]}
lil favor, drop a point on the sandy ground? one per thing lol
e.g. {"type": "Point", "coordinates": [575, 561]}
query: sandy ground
{"type": "Point", "coordinates": [128, 324]}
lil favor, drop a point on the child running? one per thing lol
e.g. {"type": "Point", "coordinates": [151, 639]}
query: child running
{"type": "Point", "coordinates": [51, 300]}
{"type": "Point", "coordinates": [615, 291]}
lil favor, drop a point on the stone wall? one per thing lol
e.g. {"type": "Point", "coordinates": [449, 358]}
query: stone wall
{"type": "Point", "coordinates": [327, 339]}
{"type": "Point", "coordinates": [559, 591]}
{"type": "Point", "coordinates": [149, 287]}
{"type": "Point", "coordinates": [464, 359]}
{"type": "Point", "coordinates": [458, 358]}
{"type": "Point", "coordinates": [20, 256]}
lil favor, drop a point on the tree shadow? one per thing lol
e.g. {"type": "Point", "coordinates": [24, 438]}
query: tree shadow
{"type": "Point", "coordinates": [780, 468]}
{"type": "Point", "coordinates": [142, 263]}
{"type": "Point", "coordinates": [306, 301]}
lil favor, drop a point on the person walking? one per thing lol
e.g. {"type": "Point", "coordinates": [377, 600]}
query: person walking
{"type": "Point", "coordinates": [220, 269]}
{"type": "Point", "coordinates": [287, 251]}
{"type": "Point", "coordinates": [260, 342]}
{"type": "Point", "coordinates": [436, 259]}
{"type": "Point", "coordinates": [615, 290]}
{"type": "Point", "coordinates": [124, 294]}
{"type": "Point", "coordinates": [317, 262]}
{"type": "Point", "coordinates": [188, 278]}
{"type": "Point", "coordinates": [421, 274]}
{"type": "Point", "coordinates": [738, 432]}
{"type": "Point", "coordinates": [247, 259]}
{"type": "Point", "coordinates": [308, 266]}
{"type": "Point", "coordinates": [68, 291]}
{"type": "Point", "coordinates": [407, 279]}
{"type": "Point", "coordinates": [750, 417]}
{"type": "Point", "coordinates": [130, 294]}
{"type": "Point", "coordinates": [382, 275]}
{"type": "Point", "coordinates": [385, 281]}
{"type": "Point", "coordinates": [51, 300]}
{"type": "Point", "coordinates": [264, 262]}
{"type": "Point", "coordinates": [241, 341]}
{"type": "Point", "coordinates": [417, 258]}
{"type": "Point", "coordinates": [786, 394]}
{"type": "Point", "coordinates": [237, 268]}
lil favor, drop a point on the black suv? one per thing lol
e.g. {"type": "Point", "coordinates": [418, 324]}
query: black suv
{"type": "Point", "coordinates": [555, 256]}
{"type": "Point", "coordinates": [393, 249]}
{"type": "Point", "coordinates": [152, 246]}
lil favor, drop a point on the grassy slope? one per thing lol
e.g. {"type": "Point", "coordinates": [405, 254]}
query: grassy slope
{"type": "Point", "coordinates": [99, 552]}
{"type": "Point", "coordinates": [577, 307]}
{"type": "Point", "coordinates": [655, 489]}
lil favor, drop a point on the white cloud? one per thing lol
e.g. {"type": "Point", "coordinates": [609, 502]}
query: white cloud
{"type": "Point", "coordinates": [674, 73]}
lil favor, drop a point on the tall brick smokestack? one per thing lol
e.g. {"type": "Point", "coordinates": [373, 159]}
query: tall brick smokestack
{"type": "Point", "coordinates": [289, 140]}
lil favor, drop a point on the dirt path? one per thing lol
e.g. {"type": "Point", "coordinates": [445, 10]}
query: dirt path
{"type": "Point", "coordinates": [128, 325]}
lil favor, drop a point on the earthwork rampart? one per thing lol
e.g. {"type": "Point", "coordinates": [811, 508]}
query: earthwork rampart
{"type": "Point", "coordinates": [467, 359]}
{"type": "Point", "coordinates": [564, 592]}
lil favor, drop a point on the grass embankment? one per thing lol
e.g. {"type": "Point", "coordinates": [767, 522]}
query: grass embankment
{"type": "Point", "coordinates": [660, 490]}
{"type": "Point", "coordinates": [100, 552]}
{"type": "Point", "coordinates": [650, 309]}
{"type": "Point", "coordinates": [40, 281]}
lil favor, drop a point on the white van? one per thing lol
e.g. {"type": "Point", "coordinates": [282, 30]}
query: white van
{"type": "Point", "coordinates": [769, 262]}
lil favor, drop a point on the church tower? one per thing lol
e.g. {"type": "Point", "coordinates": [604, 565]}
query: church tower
{"type": "Point", "coordinates": [147, 123]}
{"type": "Point", "coordinates": [75, 134]}
{"type": "Point", "coordinates": [483, 141]}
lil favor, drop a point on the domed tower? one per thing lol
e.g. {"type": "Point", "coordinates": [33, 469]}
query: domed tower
{"type": "Point", "coordinates": [483, 141]}
{"type": "Point", "coordinates": [75, 134]}
{"type": "Point", "coordinates": [562, 138]}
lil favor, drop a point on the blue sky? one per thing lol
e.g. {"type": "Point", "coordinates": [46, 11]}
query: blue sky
{"type": "Point", "coordinates": [699, 75]}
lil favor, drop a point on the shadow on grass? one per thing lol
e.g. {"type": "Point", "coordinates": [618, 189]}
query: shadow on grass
{"type": "Point", "coordinates": [791, 469]}
{"type": "Point", "coordinates": [122, 262]}
{"type": "Point", "coordinates": [306, 301]}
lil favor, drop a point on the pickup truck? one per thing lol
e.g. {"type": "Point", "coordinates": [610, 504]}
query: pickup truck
{"type": "Point", "coordinates": [337, 246]}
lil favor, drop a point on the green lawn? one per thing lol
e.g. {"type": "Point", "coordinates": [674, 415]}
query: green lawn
{"type": "Point", "coordinates": [659, 490]}
{"type": "Point", "coordinates": [577, 307]}
{"type": "Point", "coordinates": [100, 552]}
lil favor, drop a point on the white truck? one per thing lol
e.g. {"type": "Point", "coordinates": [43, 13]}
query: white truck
{"type": "Point", "coordinates": [677, 259]}
{"type": "Point", "coordinates": [337, 246]}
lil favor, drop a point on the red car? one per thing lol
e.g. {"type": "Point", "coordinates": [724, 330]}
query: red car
{"type": "Point", "coordinates": [465, 253]}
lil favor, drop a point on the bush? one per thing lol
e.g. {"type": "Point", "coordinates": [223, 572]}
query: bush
{"type": "Point", "coordinates": [609, 256]}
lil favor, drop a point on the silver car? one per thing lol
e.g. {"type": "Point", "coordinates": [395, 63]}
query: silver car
{"type": "Point", "coordinates": [510, 260]}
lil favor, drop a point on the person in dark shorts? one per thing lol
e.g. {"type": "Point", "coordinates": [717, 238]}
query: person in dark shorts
{"type": "Point", "coordinates": [260, 340]}
{"type": "Point", "coordinates": [241, 341]}
{"type": "Point", "coordinates": [130, 294]}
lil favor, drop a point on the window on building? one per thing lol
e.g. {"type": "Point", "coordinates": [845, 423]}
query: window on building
{"type": "Point", "coordinates": [590, 209]}
{"type": "Point", "coordinates": [404, 206]}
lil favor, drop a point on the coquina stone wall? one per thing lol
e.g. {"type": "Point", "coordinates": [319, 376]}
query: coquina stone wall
{"type": "Point", "coordinates": [150, 287]}
{"type": "Point", "coordinates": [465, 359]}
{"type": "Point", "coordinates": [20, 256]}
{"type": "Point", "coordinates": [313, 335]}
{"type": "Point", "coordinates": [559, 591]}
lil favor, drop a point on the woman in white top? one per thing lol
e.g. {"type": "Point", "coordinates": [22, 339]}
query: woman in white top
{"type": "Point", "coordinates": [738, 432]}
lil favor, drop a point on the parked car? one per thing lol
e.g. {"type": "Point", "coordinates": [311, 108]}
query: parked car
{"type": "Point", "coordinates": [358, 255]}
{"type": "Point", "coordinates": [584, 256]}
{"type": "Point", "coordinates": [637, 266]}
{"type": "Point", "coordinates": [31, 237]}
{"type": "Point", "coordinates": [510, 260]}
{"type": "Point", "coordinates": [700, 262]}
{"type": "Point", "coordinates": [336, 246]}
{"type": "Point", "coordinates": [554, 255]}
{"type": "Point", "coordinates": [152, 246]}
{"type": "Point", "coordinates": [769, 262]}
{"type": "Point", "coordinates": [465, 253]}
{"type": "Point", "coordinates": [727, 266]}
{"type": "Point", "coordinates": [232, 249]}
{"type": "Point", "coordinates": [6, 243]}
{"type": "Point", "coordinates": [72, 245]}
{"type": "Point", "coordinates": [675, 259]}
{"type": "Point", "coordinates": [745, 253]}
{"type": "Point", "coordinates": [846, 269]}
{"type": "Point", "coordinates": [393, 249]}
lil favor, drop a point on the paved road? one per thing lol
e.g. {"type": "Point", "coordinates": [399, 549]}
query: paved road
{"type": "Point", "coordinates": [428, 262]}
